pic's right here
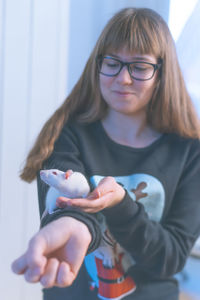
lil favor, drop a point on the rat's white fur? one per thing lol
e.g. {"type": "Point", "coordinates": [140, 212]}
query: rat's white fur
{"type": "Point", "coordinates": [75, 186]}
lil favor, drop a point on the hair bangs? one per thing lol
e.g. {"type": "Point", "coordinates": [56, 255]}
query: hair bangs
{"type": "Point", "coordinates": [135, 33]}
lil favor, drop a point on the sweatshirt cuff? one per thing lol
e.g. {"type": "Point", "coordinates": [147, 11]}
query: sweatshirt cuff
{"type": "Point", "coordinates": [122, 212]}
{"type": "Point", "coordinates": [88, 219]}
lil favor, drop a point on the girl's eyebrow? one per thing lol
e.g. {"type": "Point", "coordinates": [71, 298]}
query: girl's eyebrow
{"type": "Point", "coordinates": [133, 58]}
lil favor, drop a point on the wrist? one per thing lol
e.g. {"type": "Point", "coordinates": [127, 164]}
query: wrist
{"type": "Point", "coordinates": [81, 229]}
{"type": "Point", "coordinates": [120, 194]}
{"type": "Point", "coordinates": [64, 227]}
{"type": "Point", "coordinates": [72, 225]}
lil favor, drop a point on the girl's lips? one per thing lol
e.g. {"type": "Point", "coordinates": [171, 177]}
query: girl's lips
{"type": "Point", "coordinates": [123, 93]}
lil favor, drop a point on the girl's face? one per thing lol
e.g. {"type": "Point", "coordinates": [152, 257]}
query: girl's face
{"type": "Point", "coordinates": [124, 94]}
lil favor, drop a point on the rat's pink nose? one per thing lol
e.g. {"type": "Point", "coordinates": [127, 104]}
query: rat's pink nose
{"type": "Point", "coordinates": [68, 173]}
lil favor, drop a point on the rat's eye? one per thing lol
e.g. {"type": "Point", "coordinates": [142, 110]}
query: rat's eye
{"type": "Point", "coordinates": [55, 173]}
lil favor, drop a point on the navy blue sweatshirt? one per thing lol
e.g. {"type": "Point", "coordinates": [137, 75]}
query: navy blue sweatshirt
{"type": "Point", "coordinates": [138, 245]}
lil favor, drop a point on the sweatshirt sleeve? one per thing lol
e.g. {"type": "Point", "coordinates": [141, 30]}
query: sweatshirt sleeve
{"type": "Point", "coordinates": [161, 248]}
{"type": "Point", "coordinates": [66, 155]}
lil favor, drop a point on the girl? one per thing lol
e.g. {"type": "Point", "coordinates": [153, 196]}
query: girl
{"type": "Point", "coordinates": [130, 127]}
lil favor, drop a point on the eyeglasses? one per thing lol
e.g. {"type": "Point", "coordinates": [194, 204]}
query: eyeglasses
{"type": "Point", "coordinates": [138, 70]}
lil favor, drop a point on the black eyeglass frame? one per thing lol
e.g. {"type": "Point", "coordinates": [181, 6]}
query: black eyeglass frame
{"type": "Point", "coordinates": [127, 64]}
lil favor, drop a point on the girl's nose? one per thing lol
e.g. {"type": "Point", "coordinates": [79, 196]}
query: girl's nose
{"type": "Point", "coordinates": [124, 77]}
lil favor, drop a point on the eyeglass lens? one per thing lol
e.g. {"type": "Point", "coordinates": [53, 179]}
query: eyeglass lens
{"type": "Point", "coordinates": [138, 70]}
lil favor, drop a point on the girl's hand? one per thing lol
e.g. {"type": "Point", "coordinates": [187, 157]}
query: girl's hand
{"type": "Point", "coordinates": [55, 254]}
{"type": "Point", "coordinates": [107, 194]}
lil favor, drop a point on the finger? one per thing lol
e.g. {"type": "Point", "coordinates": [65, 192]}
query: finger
{"type": "Point", "coordinates": [81, 202]}
{"type": "Point", "coordinates": [32, 274]}
{"type": "Point", "coordinates": [35, 253]}
{"type": "Point", "coordinates": [65, 276]}
{"type": "Point", "coordinates": [63, 202]}
{"type": "Point", "coordinates": [107, 184]}
{"type": "Point", "coordinates": [98, 203]}
{"type": "Point", "coordinates": [94, 194]}
{"type": "Point", "coordinates": [33, 258]}
{"type": "Point", "coordinates": [48, 279]}
{"type": "Point", "coordinates": [19, 266]}
{"type": "Point", "coordinates": [84, 203]}
{"type": "Point", "coordinates": [36, 260]}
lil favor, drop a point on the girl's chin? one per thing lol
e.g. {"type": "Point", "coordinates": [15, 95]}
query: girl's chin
{"type": "Point", "coordinates": [125, 110]}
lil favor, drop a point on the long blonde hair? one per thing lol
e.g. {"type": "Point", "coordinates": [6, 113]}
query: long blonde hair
{"type": "Point", "coordinates": [140, 30]}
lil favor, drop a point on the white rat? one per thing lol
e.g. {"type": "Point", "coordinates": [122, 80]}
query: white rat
{"type": "Point", "coordinates": [68, 184]}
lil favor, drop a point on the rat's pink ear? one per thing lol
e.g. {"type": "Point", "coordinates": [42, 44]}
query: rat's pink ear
{"type": "Point", "coordinates": [68, 173]}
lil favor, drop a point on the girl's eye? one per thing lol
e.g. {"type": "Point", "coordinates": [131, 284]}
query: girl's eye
{"type": "Point", "coordinates": [112, 65]}
{"type": "Point", "coordinates": [55, 173]}
{"type": "Point", "coordinates": [140, 68]}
